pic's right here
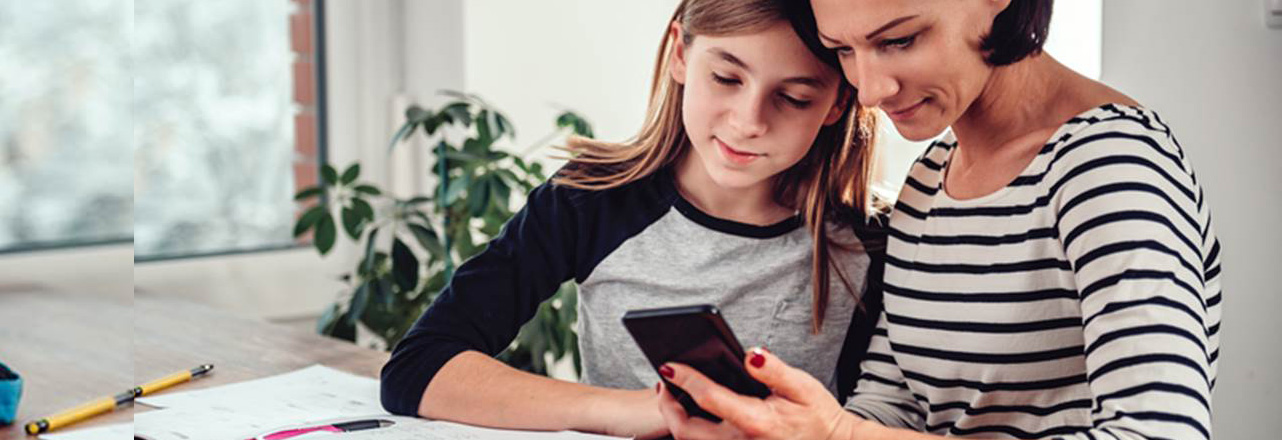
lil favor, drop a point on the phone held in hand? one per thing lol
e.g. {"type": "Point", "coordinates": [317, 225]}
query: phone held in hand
{"type": "Point", "coordinates": [696, 336]}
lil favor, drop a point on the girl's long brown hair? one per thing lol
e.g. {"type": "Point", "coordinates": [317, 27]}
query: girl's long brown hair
{"type": "Point", "coordinates": [834, 178]}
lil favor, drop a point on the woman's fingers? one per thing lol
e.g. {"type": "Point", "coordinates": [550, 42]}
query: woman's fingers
{"type": "Point", "coordinates": [783, 380]}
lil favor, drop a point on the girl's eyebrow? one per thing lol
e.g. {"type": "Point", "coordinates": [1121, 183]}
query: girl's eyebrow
{"type": "Point", "coordinates": [730, 58]}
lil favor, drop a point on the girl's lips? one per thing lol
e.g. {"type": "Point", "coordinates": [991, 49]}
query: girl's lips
{"type": "Point", "coordinates": [733, 155]}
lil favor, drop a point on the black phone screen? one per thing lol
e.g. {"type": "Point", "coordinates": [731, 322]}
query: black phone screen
{"type": "Point", "coordinates": [696, 336]}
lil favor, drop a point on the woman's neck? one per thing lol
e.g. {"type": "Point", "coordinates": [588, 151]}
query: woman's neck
{"type": "Point", "coordinates": [1018, 100]}
{"type": "Point", "coordinates": [754, 205]}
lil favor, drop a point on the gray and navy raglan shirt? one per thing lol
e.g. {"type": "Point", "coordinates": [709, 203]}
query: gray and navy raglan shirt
{"type": "Point", "coordinates": [642, 245]}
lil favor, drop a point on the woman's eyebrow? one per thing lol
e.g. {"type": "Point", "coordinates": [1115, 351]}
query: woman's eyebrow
{"type": "Point", "coordinates": [873, 34]}
{"type": "Point", "coordinates": [887, 26]}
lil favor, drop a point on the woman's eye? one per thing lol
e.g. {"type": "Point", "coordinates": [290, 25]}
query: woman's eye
{"type": "Point", "coordinates": [898, 43]}
{"type": "Point", "coordinates": [724, 80]}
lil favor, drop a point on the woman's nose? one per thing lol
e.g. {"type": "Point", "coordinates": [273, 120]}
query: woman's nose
{"type": "Point", "coordinates": [873, 83]}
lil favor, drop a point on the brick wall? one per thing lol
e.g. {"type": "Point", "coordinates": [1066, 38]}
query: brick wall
{"type": "Point", "coordinates": [302, 28]}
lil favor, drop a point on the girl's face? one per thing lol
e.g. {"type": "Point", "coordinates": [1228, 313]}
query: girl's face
{"type": "Point", "coordinates": [753, 103]}
{"type": "Point", "coordinates": [918, 60]}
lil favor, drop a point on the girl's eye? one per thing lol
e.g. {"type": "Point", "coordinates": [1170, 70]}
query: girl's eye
{"type": "Point", "coordinates": [724, 80]}
{"type": "Point", "coordinates": [798, 103]}
{"type": "Point", "coordinates": [898, 43]}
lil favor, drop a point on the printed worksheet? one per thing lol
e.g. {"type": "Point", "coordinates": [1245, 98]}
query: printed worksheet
{"type": "Point", "coordinates": [119, 431]}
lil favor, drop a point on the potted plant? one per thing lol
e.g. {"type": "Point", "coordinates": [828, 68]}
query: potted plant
{"type": "Point", "coordinates": [411, 246]}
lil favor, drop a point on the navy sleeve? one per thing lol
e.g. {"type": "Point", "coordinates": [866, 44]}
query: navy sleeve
{"type": "Point", "coordinates": [872, 234]}
{"type": "Point", "coordinates": [489, 297]}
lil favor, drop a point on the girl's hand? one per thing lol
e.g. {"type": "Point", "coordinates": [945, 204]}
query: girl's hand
{"type": "Point", "coordinates": [634, 414]}
{"type": "Point", "coordinates": [799, 407]}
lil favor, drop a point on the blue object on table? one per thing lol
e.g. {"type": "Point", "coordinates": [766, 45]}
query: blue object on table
{"type": "Point", "coordinates": [10, 391]}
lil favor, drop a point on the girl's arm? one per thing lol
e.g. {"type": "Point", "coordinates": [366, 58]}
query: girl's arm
{"type": "Point", "coordinates": [476, 389]}
{"type": "Point", "coordinates": [442, 367]}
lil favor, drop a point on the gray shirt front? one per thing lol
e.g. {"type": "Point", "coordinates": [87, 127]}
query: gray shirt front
{"type": "Point", "coordinates": [761, 284]}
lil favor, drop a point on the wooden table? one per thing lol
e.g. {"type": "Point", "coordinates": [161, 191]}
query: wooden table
{"type": "Point", "coordinates": [73, 349]}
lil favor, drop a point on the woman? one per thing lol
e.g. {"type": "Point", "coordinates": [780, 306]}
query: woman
{"type": "Point", "coordinates": [1051, 270]}
{"type": "Point", "coordinates": [745, 188]}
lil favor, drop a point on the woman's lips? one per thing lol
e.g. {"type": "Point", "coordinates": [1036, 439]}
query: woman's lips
{"type": "Point", "coordinates": [905, 113]}
{"type": "Point", "coordinates": [733, 155]}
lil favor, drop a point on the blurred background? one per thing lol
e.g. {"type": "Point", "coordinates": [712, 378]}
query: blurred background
{"type": "Point", "coordinates": [157, 145]}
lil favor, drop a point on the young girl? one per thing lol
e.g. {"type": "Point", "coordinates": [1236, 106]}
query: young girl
{"type": "Point", "coordinates": [750, 136]}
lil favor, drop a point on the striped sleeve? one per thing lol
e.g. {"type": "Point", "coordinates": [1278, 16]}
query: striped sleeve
{"type": "Point", "coordinates": [1131, 219]}
{"type": "Point", "coordinates": [881, 393]}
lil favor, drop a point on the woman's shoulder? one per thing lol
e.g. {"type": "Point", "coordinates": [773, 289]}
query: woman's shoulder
{"type": "Point", "coordinates": [1116, 130]}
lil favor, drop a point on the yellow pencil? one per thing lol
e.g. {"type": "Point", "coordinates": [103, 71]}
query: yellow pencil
{"type": "Point", "coordinates": [107, 404]}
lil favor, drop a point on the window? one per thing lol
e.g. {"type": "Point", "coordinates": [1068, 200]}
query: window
{"type": "Point", "coordinates": [66, 154]}
{"type": "Point", "coordinates": [227, 114]}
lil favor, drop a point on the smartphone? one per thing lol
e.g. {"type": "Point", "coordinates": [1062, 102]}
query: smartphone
{"type": "Point", "coordinates": [696, 336]}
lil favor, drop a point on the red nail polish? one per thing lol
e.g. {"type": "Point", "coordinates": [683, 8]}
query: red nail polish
{"type": "Point", "coordinates": [656, 387]}
{"type": "Point", "coordinates": [667, 371]}
{"type": "Point", "coordinates": [757, 359]}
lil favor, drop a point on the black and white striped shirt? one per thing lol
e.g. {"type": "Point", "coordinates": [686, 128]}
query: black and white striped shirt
{"type": "Point", "coordinates": [1081, 301]}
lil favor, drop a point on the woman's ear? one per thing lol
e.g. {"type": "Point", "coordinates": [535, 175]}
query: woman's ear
{"type": "Point", "coordinates": [677, 57]}
{"type": "Point", "coordinates": [845, 96]}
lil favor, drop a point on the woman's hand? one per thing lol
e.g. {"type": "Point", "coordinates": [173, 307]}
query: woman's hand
{"type": "Point", "coordinates": [799, 407]}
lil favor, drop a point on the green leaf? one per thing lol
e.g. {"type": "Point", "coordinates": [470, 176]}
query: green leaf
{"type": "Point", "coordinates": [363, 208]}
{"type": "Point", "coordinates": [401, 134]}
{"type": "Point", "coordinates": [418, 201]}
{"type": "Point", "coordinates": [352, 223]}
{"type": "Point", "coordinates": [504, 126]}
{"type": "Point", "coordinates": [367, 263]}
{"type": "Point", "coordinates": [325, 234]}
{"type": "Point", "coordinates": [458, 112]}
{"type": "Point", "coordinates": [329, 174]}
{"type": "Point", "coordinates": [311, 191]}
{"type": "Point", "coordinates": [308, 220]}
{"type": "Point", "coordinates": [360, 299]}
{"type": "Point", "coordinates": [465, 155]}
{"type": "Point", "coordinates": [404, 265]}
{"type": "Point", "coordinates": [325, 325]}
{"type": "Point", "coordinates": [416, 114]}
{"type": "Point", "coordinates": [455, 189]}
{"type": "Point", "coordinates": [427, 238]}
{"type": "Point", "coordinates": [500, 192]}
{"type": "Point", "coordinates": [478, 196]}
{"type": "Point", "coordinates": [368, 189]}
{"type": "Point", "coordinates": [483, 132]}
{"type": "Point", "coordinates": [351, 174]}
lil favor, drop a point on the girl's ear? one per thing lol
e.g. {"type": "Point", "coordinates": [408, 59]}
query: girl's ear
{"type": "Point", "coordinates": [845, 96]}
{"type": "Point", "coordinates": [677, 62]}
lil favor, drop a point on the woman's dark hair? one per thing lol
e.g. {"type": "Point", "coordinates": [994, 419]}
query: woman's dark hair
{"type": "Point", "coordinates": [1018, 31]}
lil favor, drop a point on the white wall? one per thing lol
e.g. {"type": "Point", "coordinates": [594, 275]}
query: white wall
{"type": "Point", "coordinates": [1214, 73]}
{"type": "Point", "coordinates": [532, 59]}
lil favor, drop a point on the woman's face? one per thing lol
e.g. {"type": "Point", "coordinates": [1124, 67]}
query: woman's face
{"type": "Point", "coordinates": [917, 60]}
{"type": "Point", "coordinates": [753, 103]}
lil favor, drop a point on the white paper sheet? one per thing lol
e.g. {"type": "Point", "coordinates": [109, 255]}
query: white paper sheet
{"type": "Point", "coordinates": [308, 397]}
{"type": "Point", "coordinates": [120, 431]}
{"type": "Point", "coordinates": [409, 428]}
{"type": "Point", "coordinates": [324, 391]}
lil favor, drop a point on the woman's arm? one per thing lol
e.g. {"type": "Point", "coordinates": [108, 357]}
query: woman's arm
{"type": "Point", "coordinates": [1134, 226]}
{"type": "Point", "coordinates": [476, 389]}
